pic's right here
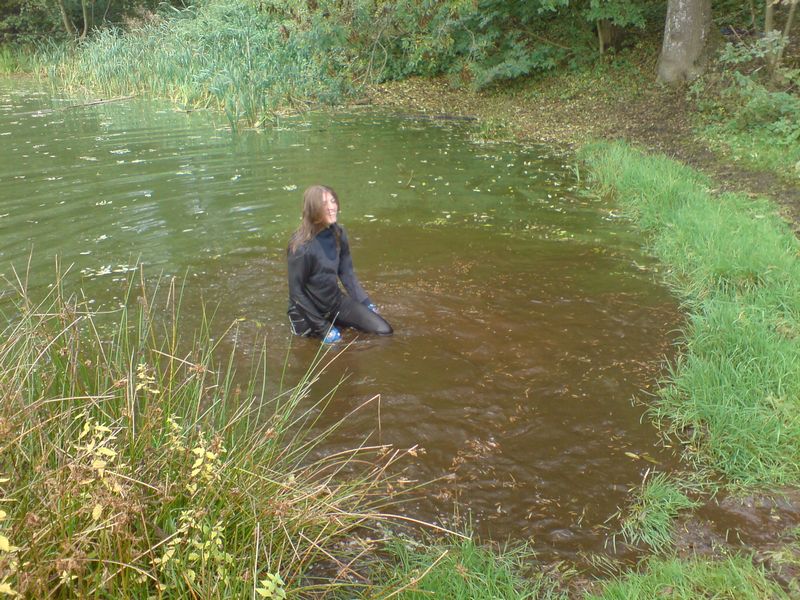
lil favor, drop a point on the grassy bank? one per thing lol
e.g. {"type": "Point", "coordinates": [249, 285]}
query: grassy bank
{"type": "Point", "coordinates": [734, 578]}
{"type": "Point", "coordinates": [732, 398]}
{"type": "Point", "coordinates": [132, 465]}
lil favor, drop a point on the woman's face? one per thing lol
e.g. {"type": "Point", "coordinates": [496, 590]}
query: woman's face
{"type": "Point", "coordinates": [330, 209]}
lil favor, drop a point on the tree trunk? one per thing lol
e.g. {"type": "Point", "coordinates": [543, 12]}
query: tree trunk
{"type": "Point", "coordinates": [68, 25]}
{"type": "Point", "coordinates": [769, 16]}
{"type": "Point", "coordinates": [687, 31]}
{"type": "Point", "coordinates": [609, 35]}
{"type": "Point", "coordinates": [784, 38]}
{"type": "Point", "coordinates": [86, 19]}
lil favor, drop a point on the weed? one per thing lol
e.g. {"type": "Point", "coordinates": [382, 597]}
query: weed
{"type": "Point", "coordinates": [131, 465]}
{"type": "Point", "coordinates": [459, 569]}
{"type": "Point", "coordinates": [650, 517]}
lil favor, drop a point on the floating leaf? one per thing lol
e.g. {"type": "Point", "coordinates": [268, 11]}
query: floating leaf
{"type": "Point", "coordinates": [649, 458]}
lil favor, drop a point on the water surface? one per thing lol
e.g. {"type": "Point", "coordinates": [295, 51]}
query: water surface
{"type": "Point", "coordinates": [526, 316]}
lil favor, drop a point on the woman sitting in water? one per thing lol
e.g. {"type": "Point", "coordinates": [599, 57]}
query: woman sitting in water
{"type": "Point", "coordinates": [319, 256]}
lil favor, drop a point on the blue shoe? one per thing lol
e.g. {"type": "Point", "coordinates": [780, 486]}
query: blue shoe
{"type": "Point", "coordinates": [333, 336]}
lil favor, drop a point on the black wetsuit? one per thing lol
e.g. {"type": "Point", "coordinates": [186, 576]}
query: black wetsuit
{"type": "Point", "coordinates": [315, 299]}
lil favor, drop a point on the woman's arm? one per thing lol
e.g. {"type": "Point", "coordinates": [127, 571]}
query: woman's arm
{"type": "Point", "coordinates": [347, 273]}
{"type": "Point", "coordinates": [299, 267]}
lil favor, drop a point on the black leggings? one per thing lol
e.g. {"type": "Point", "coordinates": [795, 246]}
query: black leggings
{"type": "Point", "coordinates": [351, 314]}
{"type": "Point", "coordinates": [356, 315]}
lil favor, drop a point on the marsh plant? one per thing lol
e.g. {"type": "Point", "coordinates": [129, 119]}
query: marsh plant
{"type": "Point", "coordinates": [132, 465]}
{"type": "Point", "coordinates": [15, 60]}
{"type": "Point", "coordinates": [234, 57]}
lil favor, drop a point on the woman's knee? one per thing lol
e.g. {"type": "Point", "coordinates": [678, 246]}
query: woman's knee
{"type": "Point", "coordinates": [383, 327]}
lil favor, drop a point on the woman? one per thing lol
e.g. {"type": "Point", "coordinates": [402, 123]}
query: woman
{"type": "Point", "coordinates": [318, 257]}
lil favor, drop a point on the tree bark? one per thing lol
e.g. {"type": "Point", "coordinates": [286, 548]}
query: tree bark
{"type": "Point", "coordinates": [784, 38]}
{"type": "Point", "coordinates": [609, 35]}
{"type": "Point", "coordinates": [687, 32]}
{"type": "Point", "coordinates": [68, 25]}
{"type": "Point", "coordinates": [86, 19]}
{"type": "Point", "coordinates": [769, 16]}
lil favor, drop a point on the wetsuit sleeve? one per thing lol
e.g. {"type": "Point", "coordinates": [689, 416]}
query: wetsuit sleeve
{"type": "Point", "coordinates": [299, 267]}
{"type": "Point", "coordinates": [347, 274]}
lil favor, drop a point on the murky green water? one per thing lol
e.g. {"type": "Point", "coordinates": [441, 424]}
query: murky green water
{"type": "Point", "coordinates": [525, 321]}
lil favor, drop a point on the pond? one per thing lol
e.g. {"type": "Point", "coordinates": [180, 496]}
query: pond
{"type": "Point", "coordinates": [526, 315]}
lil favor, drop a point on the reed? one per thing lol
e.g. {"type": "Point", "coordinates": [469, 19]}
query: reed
{"type": "Point", "coordinates": [234, 57]}
{"type": "Point", "coordinates": [132, 463]}
{"type": "Point", "coordinates": [732, 396]}
{"type": "Point", "coordinates": [14, 59]}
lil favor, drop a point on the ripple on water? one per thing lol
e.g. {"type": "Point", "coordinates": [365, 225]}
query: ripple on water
{"type": "Point", "coordinates": [524, 325]}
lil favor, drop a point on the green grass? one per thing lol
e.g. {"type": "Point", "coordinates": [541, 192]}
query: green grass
{"type": "Point", "coordinates": [747, 120]}
{"type": "Point", "coordinates": [785, 559]}
{"type": "Point", "coordinates": [458, 569]}
{"type": "Point", "coordinates": [132, 463]}
{"type": "Point", "coordinates": [754, 149]}
{"type": "Point", "coordinates": [230, 56]}
{"type": "Point", "coordinates": [15, 60]}
{"type": "Point", "coordinates": [734, 578]}
{"type": "Point", "coordinates": [733, 397]}
{"type": "Point", "coordinates": [650, 516]}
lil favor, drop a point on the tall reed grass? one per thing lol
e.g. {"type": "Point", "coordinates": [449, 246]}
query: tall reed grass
{"type": "Point", "coordinates": [237, 57]}
{"type": "Point", "coordinates": [14, 59]}
{"type": "Point", "coordinates": [733, 396]}
{"type": "Point", "coordinates": [133, 465]}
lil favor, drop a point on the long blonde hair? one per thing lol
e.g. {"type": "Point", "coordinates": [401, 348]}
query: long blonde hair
{"type": "Point", "coordinates": [313, 220]}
